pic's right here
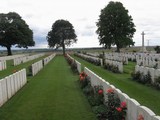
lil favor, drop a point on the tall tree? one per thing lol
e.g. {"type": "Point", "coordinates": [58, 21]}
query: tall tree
{"type": "Point", "coordinates": [115, 26]}
{"type": "Point", "coordinates": [61, 34]}
{"type": "Point", "coordinates": [14, 31]}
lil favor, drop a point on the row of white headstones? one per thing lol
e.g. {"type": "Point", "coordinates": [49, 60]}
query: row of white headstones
{"type": "Point", "coordinates": [142, 59]}
{"type": "Point", "coordinates": [134, 109]}
{"type": "Point", "coordinates": [37, 66]}
{"type": "Point", "coordinates": [14, 82]}
{"type": "Point", "coordinates": [3, 64]}
{"type": "Point", "coordinates": [19, 60]}
{"type": "Point", "coordinates": [11, 84]}
{"type": "Point", "coordinates": [89, 57]}
{"type": "Point", "coordinates": [118, 64]}
{"type": "Point", "coordinates": [155, 73]}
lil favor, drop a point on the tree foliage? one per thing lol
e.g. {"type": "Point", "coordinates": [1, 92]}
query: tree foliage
{"type": "Point", "coordinates": [115, 26]}
{"type": "Point", "coordinates": [14, 31]}
{"type": "Point", "coordinates": [61, 34]}
{"type": "Point", "coordinates": [157, 49]}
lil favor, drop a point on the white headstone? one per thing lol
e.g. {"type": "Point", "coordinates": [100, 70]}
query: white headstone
{"type": "Point", "coordinates": [145, 112]}
{"type": "Point", "coordinates": [132, 109]}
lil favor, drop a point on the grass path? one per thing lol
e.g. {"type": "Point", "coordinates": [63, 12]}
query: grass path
{"type": "Point", "coordinates": [53, 94]}
{"type": "Point", "coordinates": [145, 95]}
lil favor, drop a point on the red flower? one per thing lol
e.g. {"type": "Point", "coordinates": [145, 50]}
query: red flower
{"type": "Point", "coordinates": [119, 109]}
{"type": "Point", "coordinates": [82, 75]}
{"type": "Point", "coordinates": [140, 117]}
{"type": "Point", "coordinates": [100, 92]}
{"type": "Point", "coordinates": [82, 78]}
{"type": "Point", "coordinates": [110, 90]}
{"type": "Point", "coordinates": [123, 104]}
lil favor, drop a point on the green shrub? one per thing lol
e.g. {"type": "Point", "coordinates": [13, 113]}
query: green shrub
{"type": "Point", "coordinates": [157, 49]}
{"type": "Point", "coordinates": [157, 83]}
{"type": "Point", "coordinates": [100, 111]}
{"type": "Point", "coordinates": [116, 110]}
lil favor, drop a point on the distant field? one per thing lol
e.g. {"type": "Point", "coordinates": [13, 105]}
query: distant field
{"type": "Point", "coordinates": [95, 49]}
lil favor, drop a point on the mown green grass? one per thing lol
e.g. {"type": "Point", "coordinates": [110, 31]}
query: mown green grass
{"type": "Point", "coordinates": [53, 94]}
{"type": "Point", "coordinates": [145, 95]}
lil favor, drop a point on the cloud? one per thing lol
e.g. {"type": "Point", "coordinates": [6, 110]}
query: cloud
{"type": "Point", "coordinates": [87, 33]}
{"type": "Point", "coordinates": [28, 16]}
{"type": "Point", "coordinates": [40, 41]}
{"type": "Point", "coordinates": [40, 15]}
{"type": "Point", "coordinates": [90, 27]}
{"type": "Point", "coordinates": [82, 19]}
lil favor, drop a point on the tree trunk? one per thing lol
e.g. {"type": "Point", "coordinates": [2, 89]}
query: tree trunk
{"type": "Point", "coordinates": [118, 49]}
{"type": "Point", "coordinates": [63, 46]}
{"type": "Point", "coordinates": [9, 50]}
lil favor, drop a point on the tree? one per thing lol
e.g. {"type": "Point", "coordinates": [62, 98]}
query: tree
{"type": "Point", "coordinates": [115, 26]}
{"type": "Point", "coordinates": [14, 31]}
{"type": "Point", "coordinates": [61, 34]}
{"type": "Point", "coordinates": [157, 49]}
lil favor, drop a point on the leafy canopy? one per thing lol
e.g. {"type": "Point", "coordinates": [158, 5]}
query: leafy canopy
{"type": "Point", "coordinates": [115, 26]}
{"type": "Point", "coordinates": [15, 31]}
{"type": "Point", "coordinates": [61, 34]}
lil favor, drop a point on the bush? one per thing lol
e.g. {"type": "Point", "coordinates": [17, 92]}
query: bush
{"type": "Point", "coordinates": [112, 68]}
{"type": "Point", "coordinates": [157, 83]}
{"type": "Point", "coordinates": [84, 80]}
{"type": "Point", "coordinates": [87, 88]}
{"type": "Point", "coordinates": [72, 63]}
{"type": "Point", "coordinates": [116, 109]}
{"type": "Point", "coordinates": [30, 70]}
{"type": "Point", "coordinates": [112, 109]}
{"type": "Point", "coordinates": [100, 111]}
{"type": "Point", "coordinates": [115, 69]}
{"type": "Point", "coordinates": [136, 76]}
{"type": "Point", "coordinates": [144, 79]}
{"type": "Point", "coordinates": [74, 66]}
{"type": "Point", "coordinates": [157, 49]}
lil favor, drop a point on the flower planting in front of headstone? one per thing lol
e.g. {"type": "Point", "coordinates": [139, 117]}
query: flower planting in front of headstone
{"type": "Point", "coordinates": [72, 63]}
{"type": "Point", "coordinates": [140, 117]}
{"type": "Point", "coordinates": [110, 108]}
{"type": "Point", "coordinates": [146, 79]}
{"type": "Point", "coordinates": [111, 67]}
{"type": "Point", "coordinates": [141, 78]}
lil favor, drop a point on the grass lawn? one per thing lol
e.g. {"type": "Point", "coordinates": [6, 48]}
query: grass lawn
{"type": "Point", "coordinates": [145, 95]}
{"type": "Point", "coordinates": [53, 94]}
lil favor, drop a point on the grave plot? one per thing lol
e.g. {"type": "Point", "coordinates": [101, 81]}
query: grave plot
{"type": "Point", "coordinates": [147, 70]}
{"type": "Point", "coordinates": [129, 107]}
{"type": "Point", "coordinates": [14, 82]}
{"type": "Point", "coordinates": [11, 69]}
{"type": "Point", "coordinates": [143, 94]}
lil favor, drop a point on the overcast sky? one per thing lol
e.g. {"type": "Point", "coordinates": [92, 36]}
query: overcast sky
{"type": "Point", "coordinates": [83, 15]}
